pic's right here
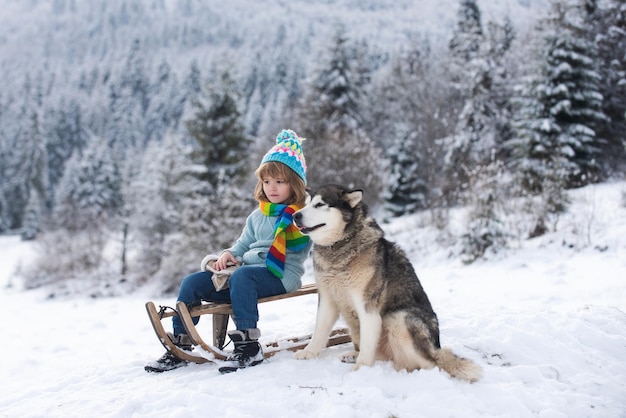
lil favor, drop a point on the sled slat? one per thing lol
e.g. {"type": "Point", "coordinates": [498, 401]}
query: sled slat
{"type": "Point", "coordinates": [211, 308]}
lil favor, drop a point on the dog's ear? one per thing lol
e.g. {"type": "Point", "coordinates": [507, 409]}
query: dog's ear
{"type": "Point", "coordinates": [354, 197]}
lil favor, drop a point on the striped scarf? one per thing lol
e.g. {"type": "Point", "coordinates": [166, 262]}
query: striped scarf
{"type": "Point", "coordinates": [286, 236]}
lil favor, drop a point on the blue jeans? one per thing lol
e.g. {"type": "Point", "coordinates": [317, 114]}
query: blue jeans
{"type": "Point", "coordinates": [246, 286]}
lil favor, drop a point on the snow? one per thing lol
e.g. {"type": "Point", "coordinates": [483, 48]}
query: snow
{"type": "Point", "coordinates": [546, 321]}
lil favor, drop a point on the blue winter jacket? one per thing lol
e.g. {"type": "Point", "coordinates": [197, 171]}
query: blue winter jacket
{"type": "Point", "coordinates": [255, 242]}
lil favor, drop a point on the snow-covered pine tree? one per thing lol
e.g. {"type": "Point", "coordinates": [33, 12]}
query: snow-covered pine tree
{"type": "Point", "coordinates": [166, 104]}
{"type": "Point", "coordinates": [485, 228]}
{"type": "Point", "coordinates": [125, 130]}
{"type": "Point", "coordinates": [89, 194]}
{"type": "Point", "coordinates": [134, 75]}
{"type": "Point", "coordinates": [500, 38]}
{"type": "Point", "coordinates": [572, 92]}
{"type": "Point", "coordinates": [31, 224]}
{"type": "Point", "coordinates": [27, 169]}
{"type": "Point", "coordinates": [406, 191]}
{"type": "Point", "coordinates": [609, 23]}
{"type": "Point", "coordinates": [5, 146]}
{"type": "Point", "coordinates": [192, 84]}
{"type": "Point", "coordinates": [221, 145]}
{"type": "Point", "coordinates": [576, 101]}
{"type": "Point", "coordinates": [338, 149]}
{"type": "Point", "coordinates": [4, 211]}
{"type": "Point", "coordinates": [128, 101]}
{"type": "Point", "coordinates": [467, 38]}
{"type": "Point", "coordinates": [66, 134]}
{"type": "Point", "coordinates": [470, 77]}
{"type": "Point", "coordinates": [477, 71]}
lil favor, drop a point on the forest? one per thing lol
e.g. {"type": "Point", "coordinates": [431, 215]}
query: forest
{"type": "Point", "coordinates": [130, 130]}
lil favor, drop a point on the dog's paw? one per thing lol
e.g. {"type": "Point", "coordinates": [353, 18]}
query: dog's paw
{"type": "Point", "coordinates": [304, 355]}
{"type": "Point", "coordinates": [358, 364]}
{"type": "Point", "coordinates": [349, 357]}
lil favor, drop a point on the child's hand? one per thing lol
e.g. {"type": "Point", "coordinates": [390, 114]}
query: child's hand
{"type": "Point", "coordinates": [224, 261]}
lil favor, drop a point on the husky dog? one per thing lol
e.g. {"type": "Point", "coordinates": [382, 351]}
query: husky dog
{"type": "Point", "coordinates": [370, 282]}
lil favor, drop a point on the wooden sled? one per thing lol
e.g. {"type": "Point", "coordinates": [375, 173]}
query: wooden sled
{"type": "Point", "coordinates": [221, 313]}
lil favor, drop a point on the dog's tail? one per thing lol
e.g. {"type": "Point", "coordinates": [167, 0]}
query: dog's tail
{"type": "Point", "coordinates": [458, 367]}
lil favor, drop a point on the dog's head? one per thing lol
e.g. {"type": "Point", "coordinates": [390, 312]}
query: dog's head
{"type": "Point", "coordinates": [329, 209]}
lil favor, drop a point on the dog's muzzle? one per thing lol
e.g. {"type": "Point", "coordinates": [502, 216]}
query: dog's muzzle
{"type": "Point", "coordinates": [297, 219]}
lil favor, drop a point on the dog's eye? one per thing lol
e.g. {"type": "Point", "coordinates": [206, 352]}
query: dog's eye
{"type": "Point", "coordinates": [319, 205]}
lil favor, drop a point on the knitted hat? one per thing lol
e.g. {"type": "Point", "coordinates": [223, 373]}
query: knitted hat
{"type": "Point", "coordinates": [288, 150]}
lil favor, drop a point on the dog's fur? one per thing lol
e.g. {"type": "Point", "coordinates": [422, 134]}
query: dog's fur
{"type": "Point", "coordinates": [370, 282]}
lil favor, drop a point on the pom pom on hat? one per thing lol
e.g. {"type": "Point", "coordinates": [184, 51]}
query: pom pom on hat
{"type": "Point", "coordinates": [288, 150]}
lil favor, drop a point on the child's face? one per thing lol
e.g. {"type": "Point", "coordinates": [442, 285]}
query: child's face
{"type": "Point", "coordinates": [277, 190]}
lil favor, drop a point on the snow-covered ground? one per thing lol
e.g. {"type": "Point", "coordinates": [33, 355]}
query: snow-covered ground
{"type": "Point", "coordinates": [547, 323]}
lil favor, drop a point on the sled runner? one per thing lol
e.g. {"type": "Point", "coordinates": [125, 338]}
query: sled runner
{"type": "Point", "coordinates": [221, 314]}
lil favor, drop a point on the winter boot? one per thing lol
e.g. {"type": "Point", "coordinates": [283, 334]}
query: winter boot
{"type": "Point", "coordinates": [169, 361]}
{"type": "Point", "coordinates": [247, 350]}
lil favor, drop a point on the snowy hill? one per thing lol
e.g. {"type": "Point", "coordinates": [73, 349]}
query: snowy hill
{"type": "Point", "coordinates": [66, 49]}
{"type": "Point", "coordinates": [71, 49]}
{"type": "Point", "coordinates": [547, 322]}
{"type": "Point", "coordinates": [40, 33]}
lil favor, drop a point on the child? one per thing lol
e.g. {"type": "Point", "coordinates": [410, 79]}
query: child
{"type": "Point", "coordinates": [271, 253]}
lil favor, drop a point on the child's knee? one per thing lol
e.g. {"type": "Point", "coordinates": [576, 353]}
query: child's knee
{"type": "Point", "coordinates": [237, 279]}
{"type": "Point", "coordinates": [193, 282]}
